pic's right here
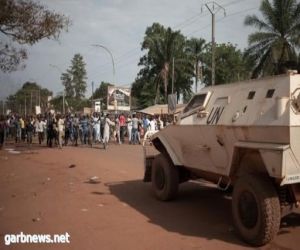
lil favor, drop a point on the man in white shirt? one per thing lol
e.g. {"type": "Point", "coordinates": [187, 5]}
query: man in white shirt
{"type": "Point", "coordinates": [153, 124]}
{"type": "Point", "coordinates": [40, 126]}
{"type": "Point", "coordinates": [61, 129]}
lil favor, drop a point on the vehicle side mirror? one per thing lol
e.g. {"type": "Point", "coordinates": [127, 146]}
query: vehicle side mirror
{"type": "Point", "coordinates": [201, 113]}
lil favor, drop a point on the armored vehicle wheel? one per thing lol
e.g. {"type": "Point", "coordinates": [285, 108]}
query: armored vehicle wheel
{"type": "Point", "coordinates": [255, 209]}
{"type": "Point", "coordinates": [165, 179]}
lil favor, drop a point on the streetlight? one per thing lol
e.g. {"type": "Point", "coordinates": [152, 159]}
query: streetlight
{"type": "Point", "coordinates": [56, 67]}
{"type": "Point", "coordinates": [114, 71]}
{"type": "Point", "coordinates": [111, 56]}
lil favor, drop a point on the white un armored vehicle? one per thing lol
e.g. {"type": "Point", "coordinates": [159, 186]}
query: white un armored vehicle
{"type": "Point", "coordinates": [244, 136]}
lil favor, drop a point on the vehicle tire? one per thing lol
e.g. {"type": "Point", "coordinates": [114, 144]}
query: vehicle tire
{"type": "Point", "coordinates": [165, 178]}
{"type": "Point", "coordinates": [255, 209]}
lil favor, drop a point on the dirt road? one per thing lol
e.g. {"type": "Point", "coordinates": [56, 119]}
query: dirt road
{"type": "Point", "coordinates": [47, 191]}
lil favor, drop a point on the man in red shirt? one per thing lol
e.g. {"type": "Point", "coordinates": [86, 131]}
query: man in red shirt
{"type": "Point", "coordinates": [123, 126]}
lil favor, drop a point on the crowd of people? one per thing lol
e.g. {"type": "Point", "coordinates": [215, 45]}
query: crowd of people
{"type": "Point", "coordinates": [77, 129]}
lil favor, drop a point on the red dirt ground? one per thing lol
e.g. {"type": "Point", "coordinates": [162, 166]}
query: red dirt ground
{"type": "Point", "coordinates": [40, 193]}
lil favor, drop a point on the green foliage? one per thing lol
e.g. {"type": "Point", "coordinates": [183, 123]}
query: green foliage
{"type": "Point", "coordinates": [273, 46]}
{"type": "Point", "coordinates": [30, 94]}
{"type": "Point", "coordinates": [71, 104]}
{"type": "Point", "coordinates": [192, 60]}
{"type": "Point", "coordinates": [101, 93]}
{"type": "Point", "coordinates": [57, 103]}
{"type": "Point", "coordinates": [153, 83]}
{"type": "Point", "coordinates": [77, 73]}
{"type": "Point", "coordinates": [231, 64]}
{"type": "Point", "coordinates": [143, 93]}
{"type": "Point", "coordinates": [67, 82]}
{"type": "Point", "coordinates": [195, 50]}
{"type": "Point", "coordinates": [26, 22]}
{"type": "Point", "coordinates": [74, 82]}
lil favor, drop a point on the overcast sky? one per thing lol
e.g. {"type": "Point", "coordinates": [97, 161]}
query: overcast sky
{"type": "Point", "coordinates": [120, 26]}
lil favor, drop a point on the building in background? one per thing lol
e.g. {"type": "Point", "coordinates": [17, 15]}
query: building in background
{"type": "Point", "coordinates": [118, 98]}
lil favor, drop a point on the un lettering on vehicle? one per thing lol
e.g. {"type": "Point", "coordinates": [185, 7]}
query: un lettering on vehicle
{"type": "Point", "coordinates": [215, 115]}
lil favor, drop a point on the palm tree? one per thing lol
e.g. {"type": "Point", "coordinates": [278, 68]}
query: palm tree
{"type": "Point", "coordinates": [162, 45]}
{"type": "Point", "coordinates": [274, 46]}
{"type": "Point", "coordinates": [195, 48]}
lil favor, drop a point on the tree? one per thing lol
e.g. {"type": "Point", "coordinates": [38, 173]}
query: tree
{"type": "Point", "coordinates": [101, 93]}
{"type": "Point", "coordinates": [231, 64]}
{"type": "Point", "coordinates": [77, 73]}
{"type": "Point", "coordinates": [143, 92]}
{"type": "Point", "coordinates": [273, 46]}
{"type": "Point", "coordinates": [71, 104]}
{"type": "Point", "coordinates": [74, 79]}
{"type": "Point", "coordinates": [29, 96]}
{"type": "Point", "coordinates": [25, 22]}
{"type": "Point", "coordinates": [195, 49]}
{"type": "Point", "coordinates": [153, 81]}
{"type": "Point", "coordinates": [67, 82]}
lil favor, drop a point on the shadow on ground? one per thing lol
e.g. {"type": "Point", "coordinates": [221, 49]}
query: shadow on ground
{"type": "Point", "coordinates": [199, 211]}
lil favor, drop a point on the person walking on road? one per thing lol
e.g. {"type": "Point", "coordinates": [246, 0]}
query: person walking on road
{"type": "Point", "coordinates": [2, 130]}
{"type": "Point", "coordinates": [135, 126]}
{"type": "Point", "coordinates": [117, 130]}
{"type": "Point", "coordinates": [40, 125]}
{"type": "Point", "coordinates": [96, 128]}
{"type": "Point", "coordinates": [61, 129]}
{"type": "Point", "coordinates": [29, 131]}
{"type": "Point", "coordinates": [123, 126]}
{"type": "Point", "coordinates": [106, 131]}
{"type": "Point", "coordinates": [129, 129]}
{"type": "Point", "coordinates": [85, 129]}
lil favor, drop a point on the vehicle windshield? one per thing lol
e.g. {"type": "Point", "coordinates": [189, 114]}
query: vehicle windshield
{"type": "Point", "coordinates": [197, 101]}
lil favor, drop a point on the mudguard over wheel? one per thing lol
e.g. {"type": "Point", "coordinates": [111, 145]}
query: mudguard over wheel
{"type": "Point", "coordinates": [165, 178]}
{"type": "Point", "coordinates": [255, 209]}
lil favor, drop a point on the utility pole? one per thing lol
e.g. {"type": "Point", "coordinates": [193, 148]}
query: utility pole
{"type": "Point", "coordinates": [173, 65]}
{"type": "Point", "coordinates": [213, 8]}
{"type": "Point", "coordinates": [40, 97]}
{"type": "Point", "coordinates": [63, 102]}
{"type": "Point", "coordinates": [30, 102]}
{"type": "Point", "coordinates": [25, 110]}
{"type": "Point", "coordinates": [92, 94]}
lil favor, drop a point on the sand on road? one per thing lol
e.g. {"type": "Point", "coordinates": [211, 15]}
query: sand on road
{"type": "Point", "coordinates": [49, 191]}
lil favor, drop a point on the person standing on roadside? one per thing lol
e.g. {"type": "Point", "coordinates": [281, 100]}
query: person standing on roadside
{"type": "Point", "coordinates": [29, 131]}
{"type": "Point", "coordinates": [85, 129]}
{"type": "Point", "coordinates": [141, 130]}
{"type": "Point", "coordinates": [60, 129]}
{"type": "Point", "coordinates": [40, 125]}
{"type": "Point", "coordinates": [17, 128]}
{"type": "Point", "coordinates": [96, 128]}
{"type": "Point", "coordinates": [129, 129]}
{"type": "Point", "coordinates": [75, 129]}
{"type": "Point", "coordinates": [68, 128]}
{"type": "Point", "coordinates": [102, 125]}
{"type": "Point", "coordinates": [123, 126]}
{"type": "Point", "coordinates": [50, 130]}
{"type": "Point", "coordinates": [2, 131]}
{"type": "Point", "coordinates": [22, 125]}
{"type": "Point", "coordinates": [153, 124]}
{"type": "Point", "coordinates": [106, 131]}
{"type": "Point", "coordinates": [160, 123]}
{"type": "Point", "coordinates": [118, 130]}
{"type": "Point", "coordinates": [146, 123]}
{"type": "Point", "coordinates": [135, 126]}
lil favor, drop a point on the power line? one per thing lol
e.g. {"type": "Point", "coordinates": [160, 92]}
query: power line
{"type": "Point", "coordinates": [233, 14]}
{"type": "Point", "coordinates": [133, 52]}
{"type": "Point", "coordinates": [182, 24]}
{"type": "Point", "coordinates": [193, 19]}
